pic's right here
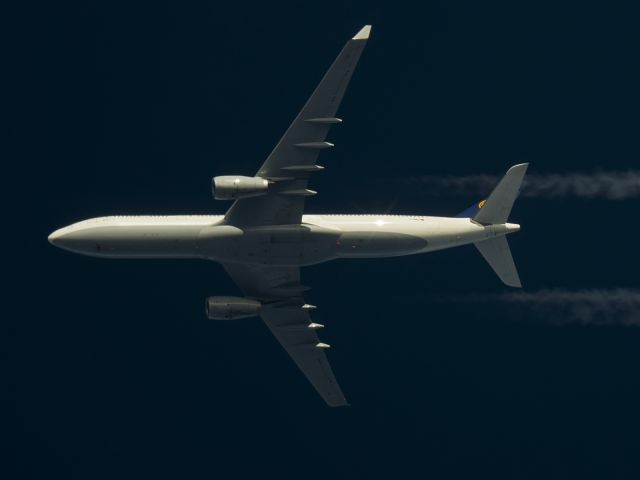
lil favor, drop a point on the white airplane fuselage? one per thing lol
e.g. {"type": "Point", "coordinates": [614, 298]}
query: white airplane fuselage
{"type": "Point", "coordinates": [318, 239]}
{"type": "Point", "coordinates": [263, 238]}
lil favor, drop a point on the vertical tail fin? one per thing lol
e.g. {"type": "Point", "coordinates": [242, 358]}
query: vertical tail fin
{"type": "Point", "coordinates": [498, 206]}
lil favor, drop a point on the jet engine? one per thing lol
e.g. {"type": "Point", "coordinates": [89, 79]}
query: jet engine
{"type": "Point", "coordinates": [231, 308]}
{"type": "Point", "coordinates": [231, 187]}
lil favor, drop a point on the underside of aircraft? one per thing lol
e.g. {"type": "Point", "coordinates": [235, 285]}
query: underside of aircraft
{"type": "Point", "coordinates": [264, 238]}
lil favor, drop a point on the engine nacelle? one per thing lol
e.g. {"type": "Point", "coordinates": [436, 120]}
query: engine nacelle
{"type": "Point", "coordinates": [231, 308]}
{"type": "Point", "coordinates": [232, 187]}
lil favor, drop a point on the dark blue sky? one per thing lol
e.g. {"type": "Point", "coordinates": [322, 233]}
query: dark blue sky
{"type": "Point", "coordinates": [113, 370]}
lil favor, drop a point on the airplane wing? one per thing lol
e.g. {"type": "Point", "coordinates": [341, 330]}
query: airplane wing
{"type": "Point", "coordinates": [293, 160]}
{"type": "Point", "coordinates": [287, 316]}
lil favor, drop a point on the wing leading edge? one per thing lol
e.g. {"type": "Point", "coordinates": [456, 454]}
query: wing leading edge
{"type": "Point", "coordinates": [293, 160]}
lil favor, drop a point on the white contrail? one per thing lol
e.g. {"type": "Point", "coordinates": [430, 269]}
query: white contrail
{"type": "Point", "coordinates": [615, 185]}
{"type": "Point", "coordinates": [618, 306]}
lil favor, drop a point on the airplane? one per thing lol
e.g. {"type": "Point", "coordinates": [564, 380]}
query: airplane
{"type": "Point", "coordinates": [264, 238]}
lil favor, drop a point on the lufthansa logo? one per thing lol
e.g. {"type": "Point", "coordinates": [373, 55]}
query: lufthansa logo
{"type": "Point", "coordinates": [481, 204]}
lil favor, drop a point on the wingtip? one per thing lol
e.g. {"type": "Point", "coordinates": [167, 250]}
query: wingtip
{"type": "Point", "coordinates": [363, 34]}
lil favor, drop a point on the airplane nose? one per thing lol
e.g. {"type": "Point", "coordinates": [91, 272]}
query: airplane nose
{"type": "Point", "coordinates": [65, 239]}
{"type": "Point", "coordinates": [55, 237]}
{"type": "Point", "coordinates": [76, 239]}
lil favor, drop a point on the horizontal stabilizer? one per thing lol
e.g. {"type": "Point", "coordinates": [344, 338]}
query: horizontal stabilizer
{"type": "Point", "coordinates": [498, 255]}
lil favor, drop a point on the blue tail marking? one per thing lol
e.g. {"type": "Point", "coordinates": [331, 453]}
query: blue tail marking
{"type": "Point", "coordinates": [472, 210]}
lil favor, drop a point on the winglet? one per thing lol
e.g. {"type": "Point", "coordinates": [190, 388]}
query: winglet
{"type": "Point", "coordinates": [363, 34]}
